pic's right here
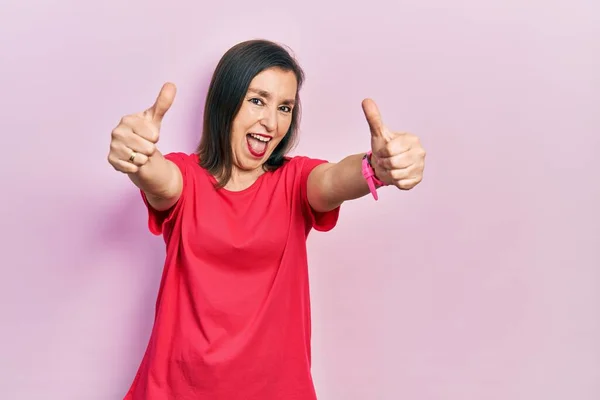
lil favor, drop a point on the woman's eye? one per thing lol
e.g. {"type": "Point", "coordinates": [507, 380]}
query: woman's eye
{"type": "Point", "coordinates": [285, 109]}
{"type": "Point", "coordinates": [256, 101]}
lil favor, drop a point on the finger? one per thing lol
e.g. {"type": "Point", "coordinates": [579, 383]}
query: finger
{"type": "Point", "coordinates": [411, 174]}
{"type": "Point", "coordinates": [126, 136]}
{"type": "Point", "coordinates": [135, 158]}
{"type": "Point", "coordinates": [125, 153]}
{"type": "Point", "coordinates": [409, 183]}
{"type": "Point", "coordinates": [398, 161]}
{"type": "Point", "coordinates": [374, 119]}
{"type": "Point", "coordinates": [162, 104]}
{"type": "Point", "coordinates": [142, 128]}
{"type": "Point", "coordinates": [138, 143]}
{"type": "Point", "coordinates": [127, 167]}
{"type": "Point", "coordinates": [400, 144]}
{"type": "Point", "coordinates": [398, 175]}
{"type": "Point", "coordinates": [122, 166]}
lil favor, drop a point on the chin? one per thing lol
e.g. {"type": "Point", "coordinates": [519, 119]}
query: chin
{"type": "Point", "coordinates": [248, 162]}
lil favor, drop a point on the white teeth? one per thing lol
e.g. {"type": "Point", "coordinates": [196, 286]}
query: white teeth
{"type": "Point", "coordinates": [261, 138]}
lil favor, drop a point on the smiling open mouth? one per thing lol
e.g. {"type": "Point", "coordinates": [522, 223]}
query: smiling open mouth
{"type": "Point", "coordinates": [257, 144]}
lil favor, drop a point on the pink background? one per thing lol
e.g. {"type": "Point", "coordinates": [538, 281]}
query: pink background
{"type": "Point", "coordinates": [482, 283]}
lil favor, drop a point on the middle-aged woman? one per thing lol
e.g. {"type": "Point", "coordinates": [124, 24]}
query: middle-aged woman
{"type": "Point", "coordinates": [232, 315]}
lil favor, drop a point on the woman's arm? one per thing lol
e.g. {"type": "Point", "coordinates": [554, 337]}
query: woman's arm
{"type": "Point", "coordinates": [133, 151]}
{"type": "Point", "coordinates": [398, 159]}
{"type": "Point", "coordinates": [161, 180]}
{"type": "Point", "coordinates": [329, 184]}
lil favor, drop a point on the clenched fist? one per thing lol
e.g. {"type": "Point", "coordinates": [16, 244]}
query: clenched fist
{"type": "Point", "coordinates": [398, 157]}
{"type": "Point", "coordinates": [134, 140]}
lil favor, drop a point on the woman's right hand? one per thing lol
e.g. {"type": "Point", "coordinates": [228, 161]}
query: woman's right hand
{"type": "Point", "coordinates": [133, 141]}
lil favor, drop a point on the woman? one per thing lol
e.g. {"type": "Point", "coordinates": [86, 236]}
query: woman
{"type": "Point", "coordinates": [233, 315]}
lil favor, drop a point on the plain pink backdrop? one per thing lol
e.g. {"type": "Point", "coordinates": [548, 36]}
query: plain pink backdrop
{"type": "Point", "coordinates": [482, 283]}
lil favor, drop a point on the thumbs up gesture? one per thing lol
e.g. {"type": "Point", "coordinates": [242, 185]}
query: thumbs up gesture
{"type": "Point", "coordinates": [398, 158]}
{"type": "Point", "coordinates": [133, 141]}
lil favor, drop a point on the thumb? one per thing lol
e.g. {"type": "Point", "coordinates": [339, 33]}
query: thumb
{"type": "Point", "coordinates": [378, 129]}
{"type": "Point", "coordinates": [163, 103]}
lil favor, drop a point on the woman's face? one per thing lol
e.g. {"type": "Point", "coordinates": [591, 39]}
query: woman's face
{"type": "Point", "coordinates": [264, 118]}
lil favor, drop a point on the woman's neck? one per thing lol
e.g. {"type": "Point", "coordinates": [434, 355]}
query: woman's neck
{"type": "Point", "coordinates": [241, 180]}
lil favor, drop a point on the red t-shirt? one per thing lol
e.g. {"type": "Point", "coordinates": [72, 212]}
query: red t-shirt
{"type": "Point", "coordinates": [232, 315]}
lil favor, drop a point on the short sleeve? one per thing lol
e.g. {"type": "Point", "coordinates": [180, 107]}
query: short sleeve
{"type": "Point", "coordinates": [160, 222]}
{"type": "Point", "coordinates": [320, 221]}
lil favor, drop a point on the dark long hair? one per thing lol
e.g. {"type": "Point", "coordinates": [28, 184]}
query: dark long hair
{"type": "Point", "coordinates": [228, 87]}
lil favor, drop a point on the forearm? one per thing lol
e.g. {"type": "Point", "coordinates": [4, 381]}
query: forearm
{"type": "Point", "coordinates": [159, 178]}
{"type": "Point", "coordinates": [346, 181]}
{"type": "Point", "coordinates": [337, 183]}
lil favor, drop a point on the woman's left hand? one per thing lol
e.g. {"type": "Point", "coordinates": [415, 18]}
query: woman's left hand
{"type": "Point", "coordinates": [398, 158]}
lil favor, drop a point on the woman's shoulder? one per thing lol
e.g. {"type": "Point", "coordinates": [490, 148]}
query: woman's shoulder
{"type": "Point", "coordinates": [294, 163]}
{"type": "Point", "coordinates": [188, 163]}
{"type": "Point", "coordinates": [303, 162]}
{"type": "Point", "coordinates": [180, 156]}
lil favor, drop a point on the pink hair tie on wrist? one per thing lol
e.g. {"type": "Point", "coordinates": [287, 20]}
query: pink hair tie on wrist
{"type": "Point", "coordinates": [369, 174]}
